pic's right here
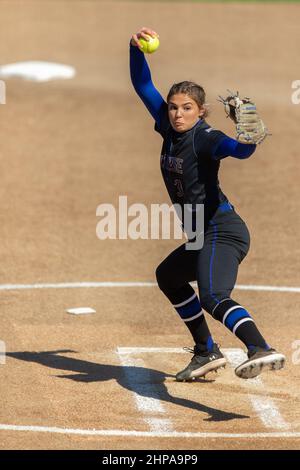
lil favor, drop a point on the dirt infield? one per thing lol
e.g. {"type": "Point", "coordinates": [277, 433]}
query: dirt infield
{"type": "Point", "coordinates": [66, 147]}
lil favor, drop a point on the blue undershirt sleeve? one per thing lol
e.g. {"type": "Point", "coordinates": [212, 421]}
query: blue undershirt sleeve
{"type": "Point", "coordinates": [231, 147]}
{"type": "Point", "coordinates": [143, 85]}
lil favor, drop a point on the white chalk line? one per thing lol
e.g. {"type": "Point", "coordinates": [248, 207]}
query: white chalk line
{"type": "Point", "coordinates": [78, 285]}
{"type": "Point", "coordinates": [137, 350]}
{"type": "Point", "coordinates": [161, 434]}
{"type": "Point", "coordinates": [74, 285]}
{"type": "Point", "coordinates": [146, 394]}
{"type": "Point", "coordinates": [158, 426]}
{"type": "Point", "coordinates": [264, 406]}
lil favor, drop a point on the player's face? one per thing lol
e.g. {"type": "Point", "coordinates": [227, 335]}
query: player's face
{"type": "Point", "coordinates": [184, 112]}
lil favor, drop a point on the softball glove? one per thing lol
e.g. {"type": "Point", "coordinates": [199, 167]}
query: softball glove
{"type": "Point", "coordinates": [250, 128]}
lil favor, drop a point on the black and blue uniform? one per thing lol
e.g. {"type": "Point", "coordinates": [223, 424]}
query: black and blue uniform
{"type": "Point", "coordinates": [190, 163]}
{"type": "Point", "coordinates": [190, 166]}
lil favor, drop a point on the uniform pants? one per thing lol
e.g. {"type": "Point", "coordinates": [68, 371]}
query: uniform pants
{"type": "Point", "coordinates": [214, 266]}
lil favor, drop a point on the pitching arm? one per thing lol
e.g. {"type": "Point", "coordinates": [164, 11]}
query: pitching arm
{"type": "Point", "coordinates": [143, 85]}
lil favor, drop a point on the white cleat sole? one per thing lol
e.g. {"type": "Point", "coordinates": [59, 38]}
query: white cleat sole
{"type": "Point", "coordinates": [202, 371]}
{"type": "Point", "coordinates": [252, 368]}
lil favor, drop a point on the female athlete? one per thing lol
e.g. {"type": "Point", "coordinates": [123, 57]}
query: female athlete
{"type": "Point", "coordinates": [190, 161]}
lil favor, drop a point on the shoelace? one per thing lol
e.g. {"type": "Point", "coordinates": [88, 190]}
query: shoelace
{"type": "Point", "coordinates": [192, 350]}
{"type": "Point", "coordinates": [187, 349]}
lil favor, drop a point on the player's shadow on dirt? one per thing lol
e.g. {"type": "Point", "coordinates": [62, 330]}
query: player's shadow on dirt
{"type": "Point", "coordinates": [144, 382]}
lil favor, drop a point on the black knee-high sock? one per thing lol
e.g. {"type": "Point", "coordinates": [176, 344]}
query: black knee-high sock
{"type": "Point", "coordinates": [239, 322]}
{"type": "Point", "coordinates": [201, 334]}
{"type": "Point", "coordinates": [190, 311]}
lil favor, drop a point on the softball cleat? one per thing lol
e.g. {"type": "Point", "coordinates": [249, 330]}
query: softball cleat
{"type": "Point", "coordinates": [201, 364]}
{"type": "Point", "coordinates": [260, 359]}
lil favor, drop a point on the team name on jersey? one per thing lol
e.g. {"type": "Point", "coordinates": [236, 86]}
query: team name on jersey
{"type": "Point", "coordinates": [173, 164]}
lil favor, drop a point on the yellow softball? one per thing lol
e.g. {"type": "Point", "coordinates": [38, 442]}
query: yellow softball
{"type": "Point", "coordinates": [150, 44]}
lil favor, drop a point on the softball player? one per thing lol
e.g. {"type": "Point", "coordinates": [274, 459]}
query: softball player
{"type": "Point", "coordinates": [190, 161]}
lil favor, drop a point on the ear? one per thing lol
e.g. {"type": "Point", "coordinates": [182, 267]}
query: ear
{"type": "Point", "coordinates": [201, 111]}
{"type": "Point", "coordinates": [204, 110]}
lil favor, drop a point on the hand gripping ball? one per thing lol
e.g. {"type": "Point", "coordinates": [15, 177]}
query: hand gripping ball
{"type": "Point", "coordinates": [149, 45]}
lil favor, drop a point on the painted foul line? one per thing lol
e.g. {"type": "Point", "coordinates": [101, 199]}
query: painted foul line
{"type": "Point", "coordinates": [78, 285]}
{"type": "Point", "coordinates": [146, 393]}
{"type": "Point", "coordinates": [263, 405]}
{"type": "Point", "coordinates": [132, 433]}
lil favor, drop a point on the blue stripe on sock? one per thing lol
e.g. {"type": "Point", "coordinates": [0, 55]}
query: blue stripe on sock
{"type": "Point", "coordinates": [190, 309]}
{"type": "Point", "coordinates": [252, 346]}
{"type": "Point", "coordinates": [210, 343]}
{"type": "Point", "coordinates": [235, 316]}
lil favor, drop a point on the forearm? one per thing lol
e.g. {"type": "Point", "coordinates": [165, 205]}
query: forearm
{"type": "Point", "coordinates": [142, 83]}
{"type": "Point", "coordinates": [233, 148]}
